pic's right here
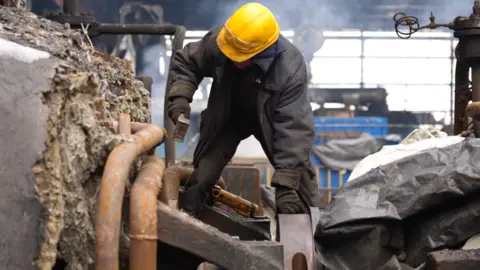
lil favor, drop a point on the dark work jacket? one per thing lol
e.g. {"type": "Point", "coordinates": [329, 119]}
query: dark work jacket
{"type": "Point", "coordinates": [284, 110]}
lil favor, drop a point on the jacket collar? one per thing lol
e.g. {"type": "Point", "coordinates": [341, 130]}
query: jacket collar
{"type": "Point", "coordinates": [265, 59]}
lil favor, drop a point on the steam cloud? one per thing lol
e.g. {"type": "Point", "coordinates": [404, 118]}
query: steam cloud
{"type": "Point", "coordinates": [341, 14]}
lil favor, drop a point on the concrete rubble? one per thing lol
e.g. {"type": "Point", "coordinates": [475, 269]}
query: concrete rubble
{"type": "Point", "coordinates": [55, 89]}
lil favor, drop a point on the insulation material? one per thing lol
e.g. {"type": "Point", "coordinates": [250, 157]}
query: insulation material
{"type": "Point", "coordinates": [83, 88]}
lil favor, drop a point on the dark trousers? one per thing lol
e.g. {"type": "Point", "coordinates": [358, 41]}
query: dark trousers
{"type": "Point", "coordinates": [210, 167]}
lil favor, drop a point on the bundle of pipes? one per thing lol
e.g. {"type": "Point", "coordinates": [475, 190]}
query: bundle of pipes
{"type": "Point", "coordinates": [153, 181]}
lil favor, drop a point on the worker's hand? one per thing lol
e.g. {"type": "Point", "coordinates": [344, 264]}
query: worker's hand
{"type": "Point", "coordinates": [288, 201]}
{"type": "Point", "coordinates": [191, 200]}
{"type": "Point", "coordinates": [178, 106]}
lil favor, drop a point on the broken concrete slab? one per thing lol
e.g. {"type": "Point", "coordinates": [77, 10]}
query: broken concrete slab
{"type": "Point", "coordinates": [25, 75]}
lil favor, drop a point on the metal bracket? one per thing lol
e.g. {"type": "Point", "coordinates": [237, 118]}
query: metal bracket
{"type": "Point", "coordinates": [243, 228]}
{"type": "Point", "coordinates": [179, 230]}
{"type": "Point", "coordinates": [296, 235]}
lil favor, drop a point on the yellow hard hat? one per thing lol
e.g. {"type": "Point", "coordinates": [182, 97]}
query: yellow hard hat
{"type": "Point", "coordinates": [249, 31]}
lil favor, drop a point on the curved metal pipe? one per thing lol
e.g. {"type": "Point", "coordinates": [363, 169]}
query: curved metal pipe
{"type": "Point", "coordinates": [143, 214]}
{"type": "Point", "coordinates": [175, 177]}
{"type": "Point", "coordinates": [112, 189]}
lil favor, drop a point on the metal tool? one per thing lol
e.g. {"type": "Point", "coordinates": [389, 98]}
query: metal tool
{"type": "Point", "coordinates": [239, 204]}
{"type": "Point", "coordinates": [181, 128]}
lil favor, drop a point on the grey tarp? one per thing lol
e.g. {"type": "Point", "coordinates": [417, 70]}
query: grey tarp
{"type": "Point", "coordinates": [396, 213]}
{"type": "Point", "coordinates": [346, 153]}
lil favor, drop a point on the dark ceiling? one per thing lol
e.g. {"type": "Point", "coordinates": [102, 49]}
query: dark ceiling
{"type": "Point", "coordinates": [326, 14]}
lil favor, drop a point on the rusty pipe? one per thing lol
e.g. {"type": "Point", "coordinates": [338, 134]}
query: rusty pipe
{"type": "Point", "coordinates": [175, 177]}
{"type": "Point", "coordinates": [124, 124]}
{"type": "Point", "coordinates": [112, 189]}
{"type": "Point", "coordinates": [143, 214]}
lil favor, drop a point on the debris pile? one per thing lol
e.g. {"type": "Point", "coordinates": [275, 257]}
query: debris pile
{"type": "Point", "coordinates": [55, 92]}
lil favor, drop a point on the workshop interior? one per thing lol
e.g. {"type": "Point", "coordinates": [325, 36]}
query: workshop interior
{"type": "Point", "coordinates": [93, 167]}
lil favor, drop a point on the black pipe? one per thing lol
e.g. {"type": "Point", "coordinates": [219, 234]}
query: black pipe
{"type": "Point", "coordinates": [476, 95]}
{"type": "Point", "coordinates": [461, 95]}
{"type": "Point", "coordinates": [141, 29]}
{"type": "Point", "coordinates": [178, 33]}
{"type": "Point", "coordinates": [69, 6]}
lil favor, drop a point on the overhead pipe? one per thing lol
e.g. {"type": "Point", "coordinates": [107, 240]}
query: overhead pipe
{"type": "Point", "coordinates": [69, 6]}
{"type": "Point", "coordinates": [462, 99]}
{"type": "Point", "coordinates": [143, 214]}
{"type": "Point", "coordinates": [112, 189]}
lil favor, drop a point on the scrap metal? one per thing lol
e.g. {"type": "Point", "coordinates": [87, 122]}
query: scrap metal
{"type": "Point", "coordinates": [179, 230]}
{"type": "Point", "coordinates": [241, 206]}
{"type": "Point", "coordinates": [453, 260]}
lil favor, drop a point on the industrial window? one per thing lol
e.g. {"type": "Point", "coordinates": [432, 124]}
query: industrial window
{"type": "Point", "coordinates": [420, 98]}
{"type": "Point", "coordinates": [336, 85]}
{"type": "Point", "coordinates": [407, 71]}
{"type": "Point", "coordinates": [428, 97]}
{"type": "Point", "coordinates": [336, 70]}
{"type": "Point", "coordinates": [407, 48]}
{"type": "Point", "coordinates": [340, 48]}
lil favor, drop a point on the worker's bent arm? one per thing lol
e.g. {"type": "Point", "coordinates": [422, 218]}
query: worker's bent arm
{"type": "Point", "coordinates": [293, 131]}
{"type": "Point", "coordinates": [190, 65]}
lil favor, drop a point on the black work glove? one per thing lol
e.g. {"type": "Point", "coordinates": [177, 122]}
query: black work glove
{"type": "Point", "coordinates": [196, 194]}
{"type": "Point", "coordinates": [288, 201]}
{"type": "Point", "coordinates": [178, 106]}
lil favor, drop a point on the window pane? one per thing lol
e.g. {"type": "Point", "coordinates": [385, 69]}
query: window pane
{"type": "Point", "coordinates": [340, 47]}
{"type": "Point", "coordinates": [418, 97]}
{"type": "Point", "coordinates": [335, 85]}
{"type": "Point", "coordinates": [340, 70]}
{"type": "Point", "coordinates": [439, 34]}
{"type": "Point", "coordinates": [428, 97]}
{"type": "Point", "coordinates": [407, 71]}
{"type": "Point", "coordinates": [407, 48]}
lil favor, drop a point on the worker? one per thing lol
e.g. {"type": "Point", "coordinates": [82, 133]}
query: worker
{"type": "Point", "coordinates": [259, 88]}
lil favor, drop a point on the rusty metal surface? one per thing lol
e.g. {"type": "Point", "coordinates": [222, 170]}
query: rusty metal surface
{"type": "Point", "coordinates": [296, 235]}
{"type": "Point", "coordinates": [476, 95]}
{"type": "Point", "coordinates": [243, 228]}
{"type": "Point", "coordinates": [143, 214]}
{"type": "Point", "coordinates": [208, 243]}
{"type": "Point", "coordinates": [173, 178]}
{"type": "Point", "coordinates": [473, 110]}
{"type": "Point", "coordinates": [244, 181]}
{"type": "Point", "coordinates": [453, 260]}
{"type": "Point", "coordinates": [124, 126]}
{"type": "Point", "coordinates": [112, 189]}
{"type": "Point", "coordinates": [240, 205]}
